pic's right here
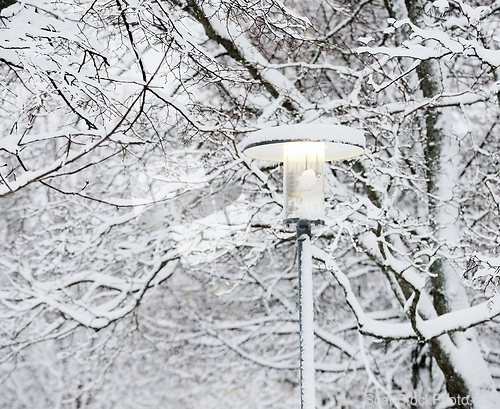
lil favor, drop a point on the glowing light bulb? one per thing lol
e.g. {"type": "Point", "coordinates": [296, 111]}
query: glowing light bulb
{"type": "Point", "coordinates": [307, 180]}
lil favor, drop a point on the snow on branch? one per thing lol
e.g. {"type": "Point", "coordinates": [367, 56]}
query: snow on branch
{"type": "Point", "coordinates": [100, 298]}
{"type": "Point", "coordinates": [366, 325]}
{"type": "Point", "coordinates": [220, 29]}
{"type": "Point", "coordinates": [419, 328]}
{"type": "Point", "coordinates": [460, 320]}
{"type": "Point", "coordinates": [483, 273]}
{"type": "Point", "coordinates": [427, 44]}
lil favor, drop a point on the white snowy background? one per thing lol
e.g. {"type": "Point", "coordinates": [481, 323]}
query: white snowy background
{"type": "Point", "coordinates": [143, 262]}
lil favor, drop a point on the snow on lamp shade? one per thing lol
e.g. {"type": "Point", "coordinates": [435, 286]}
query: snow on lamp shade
{"type": "Point", "coordinates": [303, 149]}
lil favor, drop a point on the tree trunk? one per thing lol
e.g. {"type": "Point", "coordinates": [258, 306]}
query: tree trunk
{"type": "Point", "coordinates": [457, 353]}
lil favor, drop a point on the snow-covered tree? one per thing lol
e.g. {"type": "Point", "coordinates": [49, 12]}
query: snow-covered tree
{"type": "Point", "coordinates": [143, 261]}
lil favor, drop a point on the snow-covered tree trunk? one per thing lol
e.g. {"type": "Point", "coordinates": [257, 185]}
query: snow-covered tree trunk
{"type": "Point", "coordinates": [458, 352]}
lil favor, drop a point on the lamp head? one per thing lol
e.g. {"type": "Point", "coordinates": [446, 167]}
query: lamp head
{"type": "Point", "coordinates": [303, 149]}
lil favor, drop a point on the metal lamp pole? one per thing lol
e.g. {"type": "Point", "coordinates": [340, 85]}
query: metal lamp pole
{"type": "Point", "coordinates": [306, 315]}
{"type": "Point", "coordinates": [303, 149]}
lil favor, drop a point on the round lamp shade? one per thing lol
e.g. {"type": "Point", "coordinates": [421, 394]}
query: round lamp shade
{"type": "Point", "coordinates": [340, 142]}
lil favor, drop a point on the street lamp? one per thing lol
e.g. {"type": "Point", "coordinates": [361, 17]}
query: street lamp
{"type": "Point", "coordinates": [303, 149]}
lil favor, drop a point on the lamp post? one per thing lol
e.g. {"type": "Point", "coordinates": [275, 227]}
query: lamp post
{"type": "Point", "coordinates": [303, 149]}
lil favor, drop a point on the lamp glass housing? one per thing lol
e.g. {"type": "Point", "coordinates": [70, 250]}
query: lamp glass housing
{"type": "Point", "coordinates": [303, 173]}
